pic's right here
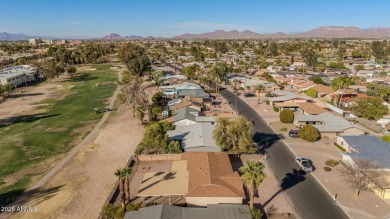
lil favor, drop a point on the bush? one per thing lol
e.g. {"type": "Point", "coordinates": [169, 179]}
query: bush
{"type": "Point", "coordinates": [115, 211]}
{"type": "Point", "coordinates": [256, 214]}
{"type": "Point", "coordinates": [318, 80]}
{"type": "Point", "coordinates": [309, 133]}
{"type": "Point", "coordinates": [311, 92]}
{"type": "Point", "coordinates": [386, 138]}
{"type": "Point", "coordinates": [325, 138]}
{"type": "Point", "coordinates": [283, 129]}
{"type": "Point", "coordinates": [339, 147]}
{"type": "Point", "coordinates": [276, 109]}
{"type": "Point", "coordinates": [286, 116]}
{"type": "Point", "coordinates": [331, 163]}
{"type": "Point", "coordinates": [269, 94]}
{"type": "Point", "coordinates": [327, 169]}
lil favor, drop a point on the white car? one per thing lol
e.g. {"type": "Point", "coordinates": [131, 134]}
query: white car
{"type": "Point", "coordinates": [304, 164]}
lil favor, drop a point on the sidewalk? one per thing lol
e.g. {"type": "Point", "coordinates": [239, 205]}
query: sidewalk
{"type": "Point", "coordinates": [366, 205]}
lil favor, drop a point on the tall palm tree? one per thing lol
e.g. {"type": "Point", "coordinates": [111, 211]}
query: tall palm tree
{"type": "Point", "coordinates": [252, 176]}
{"type": "Point", "coordinates": [235, 81]}
{"type": "Point", "coordinates": [340, 84]}
{"type": "Point", "coordinates": [126, 171]}
{"type": "Point", "coordinates": [121, 178]}
{"type": "Point", "coordinates": [248, 88]}
{"type": "Point", "coordinates": [259, 89]}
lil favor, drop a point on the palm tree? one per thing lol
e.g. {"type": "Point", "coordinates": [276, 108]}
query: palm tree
{"type": "Point", "coordinates": [126, 171]}
{"type": "Point", "coordinates": [139, 114]}
{"type": "Point", "coordinates": [252, 176]}
{"type": "Point", "coordinates": [248, 88]}
{"type": "Point", "coordinates": [341, 83]}
{"type": "Point", "coordinates": [259, 89]}
{"type": "Point", "coordinates": [121, 178]}
{"type": "Point", "coordinates": [235, 81]}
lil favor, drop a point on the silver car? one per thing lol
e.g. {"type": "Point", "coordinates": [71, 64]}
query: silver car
{"type": "Point", "coordinates": [304, 164]}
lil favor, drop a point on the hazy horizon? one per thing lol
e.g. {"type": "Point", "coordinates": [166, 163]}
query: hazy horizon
{"type": "Point", "coordinates": [167, 19]}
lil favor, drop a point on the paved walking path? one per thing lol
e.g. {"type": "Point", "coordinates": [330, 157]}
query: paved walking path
{"type": "Point", "coordinates": [52, 172]}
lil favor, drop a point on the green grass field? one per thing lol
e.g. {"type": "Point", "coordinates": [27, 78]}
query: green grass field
{"type": "Point", "coordinates": [34, 138]}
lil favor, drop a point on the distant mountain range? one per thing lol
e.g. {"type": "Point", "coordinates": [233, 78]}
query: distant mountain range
{"type": "Point", "coordinates": [321, 32]}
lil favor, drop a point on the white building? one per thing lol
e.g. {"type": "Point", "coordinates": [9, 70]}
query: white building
{"type": "Point", "coordinates": [17, 75]}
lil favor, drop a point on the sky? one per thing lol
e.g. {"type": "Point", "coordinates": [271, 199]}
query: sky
{"type": "Point", "coordinates": [167, 18]}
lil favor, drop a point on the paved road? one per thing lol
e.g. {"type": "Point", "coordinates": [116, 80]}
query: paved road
{"type": "Point", "coordinates": [305, 194]}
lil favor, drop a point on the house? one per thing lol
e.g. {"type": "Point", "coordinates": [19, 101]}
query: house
{"type": "Point", "coordinates": [366, 73]}
{"type": "Point", "coordinates": [322, 90]}
{"type": "Point", "coordinates": [328, 124]}
{"type": "Point", "coordinates": [213, 211]}
{"type": "Point", "coordinates": [212, 179]}
{"type": "Point", "coordinates": [185, 116]}
{"type": "Point", "coordinates": [308, 108]}
{"type": "Point", "coordinates": [287, 100]}
{"type": "Point", "coordinates": [372, 149]}
{"type": "Point", "coordinates": [200, 178]}
{"type": "Point", "coordinates": [196, 137]}
{"type": "Point", "coordinates": [197, 93]}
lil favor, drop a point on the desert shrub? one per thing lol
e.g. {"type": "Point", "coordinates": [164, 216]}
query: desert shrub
{"type": "Point", "coordinates": [256, 214]}
{"type": "Point", "coordinates": [267, 102]}
{"type": "Point", "coordinates": [331, 163]}
{"type": "Point", "coordinates": [276, 109]}
{"type": "Point", "coordinates": [241, 88]}
{"type": "Point", "coordinates": [309, 133]}
{"type": "Point", "coordinates": [311, 92]}
{"type": "Point", "coordinates": [325, 138]}
{"type": "Point", "coordinates": [286, 116]}
{"type": "Point", "coordinates": [283, 129]}
{"type": "Point", "coordinates": [339, 147]}
{"type": "Point", "coordinates": [269, 94]}
{"type": "Point", "coordinates": [327, 169]}
{"type": "Point", "coordinates": [115, 211]}
{"type": "Point", "coordinates": [386, 138]}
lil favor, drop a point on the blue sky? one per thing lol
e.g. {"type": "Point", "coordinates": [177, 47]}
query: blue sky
{"type": "Point", "coordinates": [96, 18]}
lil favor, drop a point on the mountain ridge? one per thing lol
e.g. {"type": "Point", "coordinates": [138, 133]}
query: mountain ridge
{"type": "Point", "coordinates": [320, 32]}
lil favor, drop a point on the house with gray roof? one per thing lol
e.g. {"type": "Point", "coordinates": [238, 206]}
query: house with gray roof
{"type": "Point", "coordinates": [195, 138]}
{"type": "Point", "coordinates": [185, 116]}
{"type": "Point", "coordinates": [213, 211]}
{"type": "Point", "coordinates": [367, 147]}
{"type": "Point", "coordinates": [287, 100]}
{"type": "Point", "coordinates": [328, 124]}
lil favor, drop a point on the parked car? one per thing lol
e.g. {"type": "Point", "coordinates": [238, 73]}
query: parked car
{"type": "Point", "coordinates": [304, 164]}
{"type": "Point", "coordinates": [293, 133]}
{"type": "Point", "coordinates": [249, 95]}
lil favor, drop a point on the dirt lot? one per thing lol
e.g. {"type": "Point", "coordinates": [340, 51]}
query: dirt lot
{"type": "Point", "coordinates": [81, 188]}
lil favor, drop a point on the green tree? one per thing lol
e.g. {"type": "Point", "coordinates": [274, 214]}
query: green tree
{"type": "Point", "coordinates": [309, 133]}
{"type": "Point", "coordinates": [318, 80]}
{"type": "Point", "coordinates": [286, 116]}
{"type": "Point", "coordinates": [252, 176]}
{"type": "Point", "coordinates": [234, 135]}
{"type": "Point", "coordinates": [135, 59]}
{"type": "Point", "coordinates": [371, 108]}
{"type": "Point", "coordinates": [339, 84]}
{"type": "Point", "coordinates": [311, 92]}
{"type": "Point", "coordinates": [359, 67]}
{"type": "Point", "coordinates": [259, 89]}
{"type": "Point", "coordinates": [189, 71]}
{"type": "Point", "coordinates": [140, 114]}
{"type": "Point", "coordinates": [156, 140]}
{"type": "Point", "coordinates": [121, 177]}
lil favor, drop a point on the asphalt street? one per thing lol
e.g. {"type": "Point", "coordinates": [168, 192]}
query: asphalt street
{"type": "Point", "coordinates": [306, 195]}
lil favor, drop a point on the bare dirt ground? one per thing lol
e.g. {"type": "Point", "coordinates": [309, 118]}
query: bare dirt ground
{"type": "Point", "coordinates": [23, 103]}
{"type": "Point", "coordinates": [81, 188]}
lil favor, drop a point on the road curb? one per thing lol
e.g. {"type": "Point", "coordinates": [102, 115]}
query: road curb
{"type": "Point", "coordinates": [314, 176]}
